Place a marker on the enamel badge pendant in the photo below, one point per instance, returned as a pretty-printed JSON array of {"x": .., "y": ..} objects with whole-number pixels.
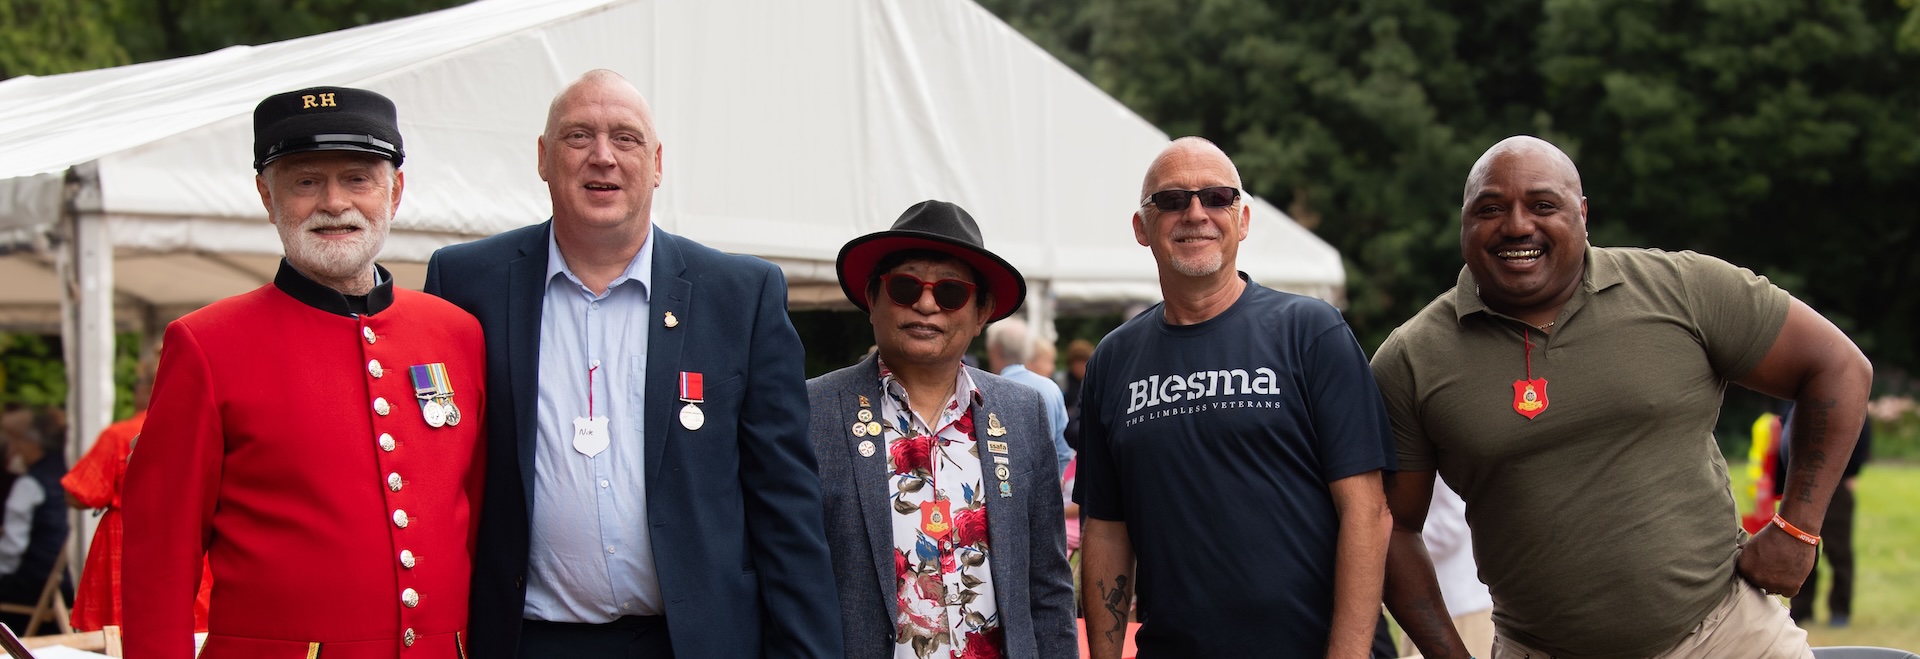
[
  {"x": 866, "y": 449},
  {"x": 1530, "y": 397},
  {"x": 936, "y": 519},
  {"x": 993, "y": 425}
]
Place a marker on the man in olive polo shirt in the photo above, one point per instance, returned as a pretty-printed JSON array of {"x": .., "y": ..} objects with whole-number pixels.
[{"x": 1569, "y": 393}]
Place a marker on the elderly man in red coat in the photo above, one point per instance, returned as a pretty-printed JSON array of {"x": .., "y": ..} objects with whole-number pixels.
[{"x": 318, "y": 439}]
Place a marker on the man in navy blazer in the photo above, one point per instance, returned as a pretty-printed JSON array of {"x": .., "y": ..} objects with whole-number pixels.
[
  {"x": 652, "y": 493},
  {"x": 942, "y": 493}
]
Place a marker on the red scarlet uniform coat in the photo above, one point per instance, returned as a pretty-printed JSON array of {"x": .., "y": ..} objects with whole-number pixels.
[{"x": 336, "y": 520}]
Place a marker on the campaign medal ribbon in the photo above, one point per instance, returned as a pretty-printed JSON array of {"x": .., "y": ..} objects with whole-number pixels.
[
  {"x": 1529, "y": 395},
  {"x": 425, "y": 390},
  {"x": 443, "y": 387},
  {"x": 692, "y": 392}
]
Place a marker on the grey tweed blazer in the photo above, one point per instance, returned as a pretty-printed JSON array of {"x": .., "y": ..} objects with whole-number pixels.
[{"x": 1026, "y": 533}]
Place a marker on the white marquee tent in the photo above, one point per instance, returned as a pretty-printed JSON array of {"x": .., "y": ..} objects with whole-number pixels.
[{"x": 126, "y": 195}]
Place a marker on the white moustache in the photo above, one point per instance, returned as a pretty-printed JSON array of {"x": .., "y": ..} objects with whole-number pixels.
[{"x": 351, "y": 219}]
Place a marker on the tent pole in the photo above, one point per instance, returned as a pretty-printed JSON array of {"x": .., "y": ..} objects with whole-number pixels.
[{"x": 86, "y": 301}]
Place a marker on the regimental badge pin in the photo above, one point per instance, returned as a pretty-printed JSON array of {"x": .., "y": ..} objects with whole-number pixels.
[
  {"x": 1006, "y": 490},
  {"x": 671, "y": 321},
  {"x": 873, "y": 428},
  {"x": 864, "y": 416},
  {"x": 864, "y": 403},
  {"x": 996, "y": 447},
  {"x": 866, "y": 449},
  {"x": 1001, "y": 472},
  {"x": 1530, "y": 397},
  {"x": 993, "y": 425},
  {"x": 859, "y": 429}
]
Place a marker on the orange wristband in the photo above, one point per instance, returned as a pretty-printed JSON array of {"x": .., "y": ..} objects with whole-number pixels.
[{"x": 1797, "y": 534}]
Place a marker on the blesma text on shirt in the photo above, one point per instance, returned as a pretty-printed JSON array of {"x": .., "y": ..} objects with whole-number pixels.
[{"x": 1155, "y": 390}]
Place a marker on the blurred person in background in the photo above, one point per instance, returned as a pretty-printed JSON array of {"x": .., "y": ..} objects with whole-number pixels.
[
  {"x": 95, "y": 482},
  {"x": 1009, "y": 348},
  {"x": 35, "y": 524},
  {"x": 1836, "y": 534}
]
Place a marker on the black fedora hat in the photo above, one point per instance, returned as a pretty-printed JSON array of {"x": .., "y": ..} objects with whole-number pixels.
[
  {"x": 936, "y": 226},
  {"x": 325, "y": 119}
]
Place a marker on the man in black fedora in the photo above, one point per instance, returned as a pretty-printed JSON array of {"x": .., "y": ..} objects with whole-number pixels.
[
  {"x": 318, "y": 439},
  {"x": 941, "y": 491}
]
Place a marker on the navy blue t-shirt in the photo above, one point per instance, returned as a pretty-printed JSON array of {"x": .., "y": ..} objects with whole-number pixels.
[{"x": 1215, "y": 443}]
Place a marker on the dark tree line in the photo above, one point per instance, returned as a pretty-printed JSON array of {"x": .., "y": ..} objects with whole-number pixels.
[{"x": 1782, "y": 135}]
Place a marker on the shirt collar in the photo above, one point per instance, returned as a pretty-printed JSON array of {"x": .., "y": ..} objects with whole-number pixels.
[
  {"x": 962, "y": 382},
  {"x": 1601, "y": 274},
  {"x": 1011, "y": 369},
  {"x": 314, "y": 294},
  {"x": 640, "y": 269}
]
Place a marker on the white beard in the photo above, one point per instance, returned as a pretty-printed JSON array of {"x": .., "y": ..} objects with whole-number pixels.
[{"x": 332, "y": 259}]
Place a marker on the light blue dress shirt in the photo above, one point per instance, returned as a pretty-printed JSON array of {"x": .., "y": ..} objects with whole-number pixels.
[
  {"x": 1056, "y": 404},
  {"x": 591, "y": 557}
]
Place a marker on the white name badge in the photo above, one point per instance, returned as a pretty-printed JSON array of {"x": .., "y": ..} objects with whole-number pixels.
[{"x": 590, "y": 435}]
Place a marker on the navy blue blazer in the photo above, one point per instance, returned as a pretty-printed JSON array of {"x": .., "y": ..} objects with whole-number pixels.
[
  {"x": 1026, "y": 532},
  {"x": 734, "y": 507}
]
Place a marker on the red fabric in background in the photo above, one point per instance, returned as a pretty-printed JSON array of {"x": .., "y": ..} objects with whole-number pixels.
[{"x": 95, "y": 482}]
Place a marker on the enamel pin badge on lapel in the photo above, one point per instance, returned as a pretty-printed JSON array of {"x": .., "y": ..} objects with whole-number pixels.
[
  {"x": 993, "y": 425},
  {"x": 671, "y": 321},
  {"x": 692, "y": 393},
  {"x": 866, "y": 449}
]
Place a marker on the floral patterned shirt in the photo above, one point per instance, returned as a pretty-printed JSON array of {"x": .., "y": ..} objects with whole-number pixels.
[{"x": 945, "y": 600}]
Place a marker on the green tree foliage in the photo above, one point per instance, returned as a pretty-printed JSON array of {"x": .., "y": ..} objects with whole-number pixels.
[
  {"x": 41, "y": 37},
  {"x": 1778, "y": 134}
]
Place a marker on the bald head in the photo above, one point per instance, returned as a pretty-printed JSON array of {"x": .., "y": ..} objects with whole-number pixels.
[
  {"x": 602, "y": 83},
  {"x": 1184, "y": 154},
  {"x": 1522, "y": 145}
]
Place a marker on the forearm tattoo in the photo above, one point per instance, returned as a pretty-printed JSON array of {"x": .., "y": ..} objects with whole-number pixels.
[
  {"x": 1819, "y": 420},
  {"x": 1116, "y": 602}
]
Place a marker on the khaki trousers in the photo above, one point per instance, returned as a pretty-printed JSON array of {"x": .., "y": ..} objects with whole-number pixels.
[{"x": 1747, "y": 623}]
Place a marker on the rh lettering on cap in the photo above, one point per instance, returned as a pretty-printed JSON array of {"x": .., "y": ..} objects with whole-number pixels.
[{"x": 320, "y": 101}]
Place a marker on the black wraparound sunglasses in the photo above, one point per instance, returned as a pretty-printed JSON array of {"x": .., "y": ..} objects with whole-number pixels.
[
  {"x": 1220, "y": 196},
  {"x": 904, "y": 290}
]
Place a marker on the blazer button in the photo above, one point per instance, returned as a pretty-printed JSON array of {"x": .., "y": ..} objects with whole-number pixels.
[
  {"x": 400, "y": 518},
  {"x": 374, "y": 369},
  {"x": 410, "y": 597},
  {"x": 519, "y": 583},
  {"x": 386, "y": 442},
  {"x": 408, "y": 637},
  {"x": 367, "y": 333},
  {"x": 381, "y": 407},
  {"x": 393, "y": 481},
  {"x": 406, "y": 558}
]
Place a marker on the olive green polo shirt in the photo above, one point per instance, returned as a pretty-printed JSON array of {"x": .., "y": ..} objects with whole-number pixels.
[{"x": 1603, "y": 526}]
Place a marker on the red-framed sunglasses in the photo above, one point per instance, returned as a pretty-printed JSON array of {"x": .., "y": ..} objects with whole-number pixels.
[{"x": 905, "y": 290}]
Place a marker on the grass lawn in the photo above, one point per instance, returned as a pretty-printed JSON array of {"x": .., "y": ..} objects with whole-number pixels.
[{"x": 1886, "y": 601}]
